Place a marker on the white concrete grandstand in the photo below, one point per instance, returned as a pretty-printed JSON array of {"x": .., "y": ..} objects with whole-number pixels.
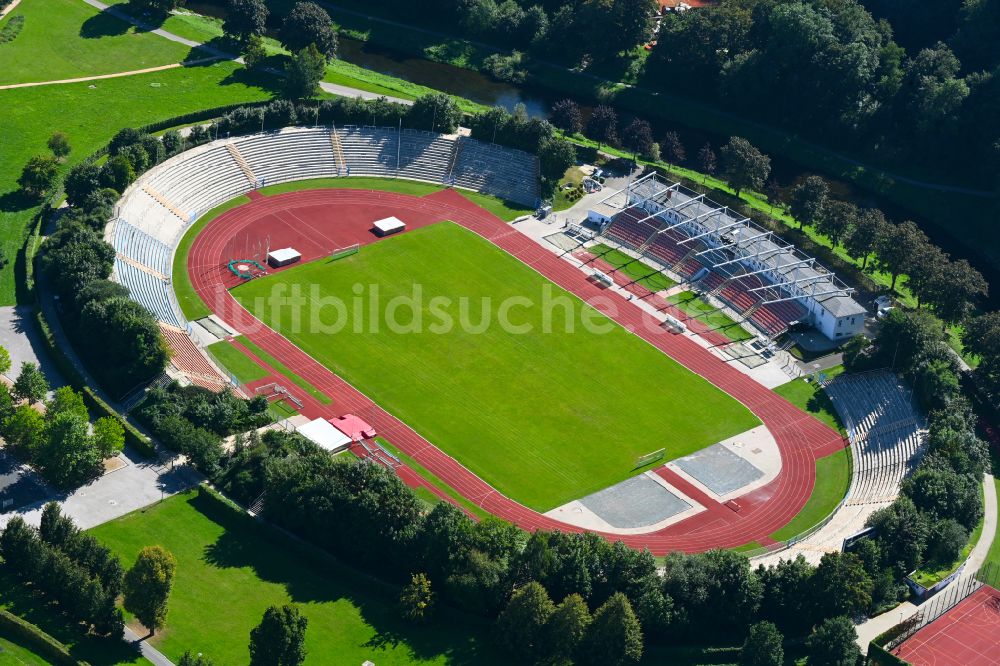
[{"x": 768, "y": 282}]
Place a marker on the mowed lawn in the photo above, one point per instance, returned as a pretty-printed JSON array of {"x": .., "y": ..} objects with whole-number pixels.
[
  {"x": 545, "y": 417},
  {"x": 64, "y": 39},
  {"x": 230, "y": 568}
]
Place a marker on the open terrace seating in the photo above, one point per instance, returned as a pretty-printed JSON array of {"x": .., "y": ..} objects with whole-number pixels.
[
  {"x": 150, "y": 291},
  {"x": 425, "y": 155},
  {"x": 369, "y": 151},
  {"x": 503, "y": 172},
  {"x": 293, "y": 154},
  {"x": 885, "y": 429},
  {"x": 142, "y": 248},
  {"x": 202, "y": 181}
]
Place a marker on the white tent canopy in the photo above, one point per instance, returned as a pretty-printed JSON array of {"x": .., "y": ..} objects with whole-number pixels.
[{"x": 324, "y": 434}]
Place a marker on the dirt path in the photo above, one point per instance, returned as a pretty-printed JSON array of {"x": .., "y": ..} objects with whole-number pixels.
[
  {"x": 9, "y": 8},
  {"x": 97, "y": 77}
]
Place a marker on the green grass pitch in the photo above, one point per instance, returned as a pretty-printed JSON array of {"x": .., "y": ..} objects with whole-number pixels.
[{"x": 545, "y": 417}]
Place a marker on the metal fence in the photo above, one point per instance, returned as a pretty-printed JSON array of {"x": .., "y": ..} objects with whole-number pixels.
[{"x": 943, "y": 602}]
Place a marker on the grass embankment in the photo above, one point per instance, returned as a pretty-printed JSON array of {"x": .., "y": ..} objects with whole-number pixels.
[
  {"x": 709, "y": 315},
  {"x": 994, "y": 553},
  {"x": 12, "y": 654},
  {"x": 230, "y": 568},
  {"x": 67, "y": 39},
  {"x": 433, "y": 480},
  {"x": 810, "y": 397},
  {"x": 833, "y": 476},
  {"x": 89, "y": 114},
  {"x": 241, "y": 366},
  {"x": 640, "y": 272},
  {"x": 522, "y": 411}
]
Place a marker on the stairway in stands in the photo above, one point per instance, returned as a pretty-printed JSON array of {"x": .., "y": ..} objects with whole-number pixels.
[
  {"x": 242, "y": 163},
  {"x": 162, "y": 200},
  {"x": 338, "y": 153}
]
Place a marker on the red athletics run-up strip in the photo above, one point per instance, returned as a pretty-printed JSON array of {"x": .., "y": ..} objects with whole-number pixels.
[{"x": 316, "y": 222}]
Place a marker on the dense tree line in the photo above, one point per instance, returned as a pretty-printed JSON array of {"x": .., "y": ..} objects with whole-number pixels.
[
  {"x": 193, "y": 420},
  {"x": 69, "y": 566},
  {"x": 555, "y": 596},
  {"x": 833, "y": 70}
]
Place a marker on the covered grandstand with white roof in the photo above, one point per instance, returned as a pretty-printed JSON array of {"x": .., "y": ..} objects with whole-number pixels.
[{"x": 768, "y": 281}]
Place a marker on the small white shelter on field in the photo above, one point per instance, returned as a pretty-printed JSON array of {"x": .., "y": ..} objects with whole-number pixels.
[
  {"x": 283, "y": 257},
  {"x": 324, "y": 434},
  {"x": 388, "y": 226}
]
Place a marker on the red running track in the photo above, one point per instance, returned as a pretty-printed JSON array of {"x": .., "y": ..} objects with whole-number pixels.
[
  {"x": 967, "y": 635},
  {"x": 316, "y": 222}
]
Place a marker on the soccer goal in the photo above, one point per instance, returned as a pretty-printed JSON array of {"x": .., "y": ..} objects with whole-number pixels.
[
  {"x": 650, "y": 458},
  {"x": 342, "y": 252}
]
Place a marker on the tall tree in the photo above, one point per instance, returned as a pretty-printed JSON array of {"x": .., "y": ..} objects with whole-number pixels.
[
  {"x": 744, "y": 166},
  {"x": 639, "y": 138},
  {"x": 417, "y": 599},
  {"x": 673, "y": 148},
  {"x": 305, "y": 71},
  {"x": 707, "y": 162},
  {"x": 39, "y": 175},
  {"x": 436, "y": 112},
  {"x": 147, "y": 586},
  {"x": 245, "y": 19},
  {"x": 955, "y": 293},
  {"x": 306, "y": 24},
  {"x": 614, "y": 637},
  {"x": 555, "y": 155},
  {"x": 279, "y": 639},
  {"x": 834, "y": 643},
  {"x": 841, "y": 585},
  {"x": 897, "y": 247},
  {"x": 762, "y": 646},
  {"x": 837, "y": 220},
  {"x": 808, "y": 200},
  {"x": 871, "y": 227},
  {"x": 566, "y": 116},
  {"x": 59, "y": 145},
  {"x": 567, "y": 628},
  {"x": 30, "y": 385},
  {"x": 520, "y": 629},
  {"x": 603, "y": 126},
  {"x": 927, "y": 267}
]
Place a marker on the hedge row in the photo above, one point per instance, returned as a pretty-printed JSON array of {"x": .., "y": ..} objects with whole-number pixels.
[
  {"x": 879, "y": 656},
  {"x": 24, "y": 633}
]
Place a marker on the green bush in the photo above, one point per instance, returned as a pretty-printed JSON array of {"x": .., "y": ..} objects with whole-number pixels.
[
  {"x": 12, "y": 29},
  {"x": 24, "y": 633}
]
